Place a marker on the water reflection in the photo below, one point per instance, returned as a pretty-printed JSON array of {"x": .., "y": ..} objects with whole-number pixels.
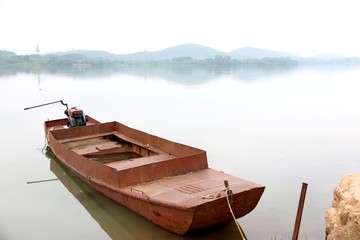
[
  {"x": 181, "y": 75},
  {"x": 119, "y": 222}
]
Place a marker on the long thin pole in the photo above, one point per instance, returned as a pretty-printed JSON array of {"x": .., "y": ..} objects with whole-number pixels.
[
  {"x": 41, "y": 181},
  {"x": 299, "y": 211},
  {"x": 41, "y": 105}
]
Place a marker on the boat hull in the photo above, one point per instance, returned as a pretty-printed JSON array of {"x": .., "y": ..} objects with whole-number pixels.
[{"x": 169, "y": 184}]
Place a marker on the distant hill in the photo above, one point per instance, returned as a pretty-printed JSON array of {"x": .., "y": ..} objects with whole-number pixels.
[
  {"x": 329, "y": 56},
  {"x": 186, "y": 50},
  {"x": 6, "y": 53},
  {"x": 197, "y": 51},
  {"x": 258, "y": 53},
  {"x": 89, "y": 53}
]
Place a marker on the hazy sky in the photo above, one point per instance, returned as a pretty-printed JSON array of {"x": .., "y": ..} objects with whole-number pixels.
[{"x": 306, "y": 27}]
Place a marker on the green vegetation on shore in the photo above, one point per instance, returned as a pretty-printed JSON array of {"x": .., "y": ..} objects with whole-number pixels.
[{"x": 82, "y": 61}]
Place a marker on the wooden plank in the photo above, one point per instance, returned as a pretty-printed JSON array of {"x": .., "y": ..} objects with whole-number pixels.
[
  {"x": 117, "y": 134},
  {"x": 143, "y": 145},
  {"x": 74, "y": 139},
  {"x": 136, "y": 162},
  {"x": 93, "y": 146}
]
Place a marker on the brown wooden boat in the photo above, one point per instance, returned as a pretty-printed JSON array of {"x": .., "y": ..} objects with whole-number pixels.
[{"x": 168, "y": 183}]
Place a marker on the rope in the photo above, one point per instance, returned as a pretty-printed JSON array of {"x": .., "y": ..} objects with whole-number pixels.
[
  {"x": 212, "y": 196},
  {"x": 217, "y": 195},
  {"x": 232, "y": 213}
]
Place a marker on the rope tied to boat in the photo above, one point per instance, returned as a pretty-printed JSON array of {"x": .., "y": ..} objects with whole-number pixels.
[
  {"x": 216, "y": 195},
  {"x": 229, "y": 200},
  {"x": 243, "y": 236}
]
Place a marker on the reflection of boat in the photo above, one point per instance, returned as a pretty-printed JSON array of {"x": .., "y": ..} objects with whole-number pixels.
[
  {"x": 168, "y": 183},
  {"x": 117, "y": 221}
]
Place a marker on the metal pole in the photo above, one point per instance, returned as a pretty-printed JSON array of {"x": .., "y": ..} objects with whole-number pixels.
[
  {"x": 41, "y": 181},
  {"x": 299, "y": 211},
  {"x": 41, "y": 105}
]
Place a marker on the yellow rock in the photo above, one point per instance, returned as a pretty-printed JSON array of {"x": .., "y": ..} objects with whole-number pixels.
[{"x": 343, "y": 218}]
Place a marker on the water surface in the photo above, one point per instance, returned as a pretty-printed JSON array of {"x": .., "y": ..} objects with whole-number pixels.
[{"x": 277, "y": 128}]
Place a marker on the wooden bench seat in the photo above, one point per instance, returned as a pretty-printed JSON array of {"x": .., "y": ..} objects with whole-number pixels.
[{"x": 141, "y": 161}]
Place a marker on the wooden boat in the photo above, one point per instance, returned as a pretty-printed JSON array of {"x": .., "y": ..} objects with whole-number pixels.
[{"x": 168, "y": 183}]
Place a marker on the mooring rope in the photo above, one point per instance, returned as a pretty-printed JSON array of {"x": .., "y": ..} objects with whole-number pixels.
[
  {"x": 232, "y": 213},
  {"x": 227, "y": 190},
  {"x": 212, "y": 196}
]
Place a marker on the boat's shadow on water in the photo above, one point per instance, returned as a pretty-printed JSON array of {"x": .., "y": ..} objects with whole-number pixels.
[{"x": 119, "y": 222}]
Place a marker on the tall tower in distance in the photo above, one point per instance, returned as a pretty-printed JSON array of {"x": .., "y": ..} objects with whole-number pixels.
[{"x": 37, "y": 49}]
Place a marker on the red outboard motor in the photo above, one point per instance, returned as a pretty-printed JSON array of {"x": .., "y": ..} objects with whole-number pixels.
[{"x": 76, "y": 117}]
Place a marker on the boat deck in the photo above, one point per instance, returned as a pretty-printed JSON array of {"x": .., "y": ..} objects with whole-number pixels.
[{"x": 189, "y": 189}]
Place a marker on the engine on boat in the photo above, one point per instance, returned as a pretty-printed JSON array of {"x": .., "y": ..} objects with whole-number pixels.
[{"x": 76, "y": 117}]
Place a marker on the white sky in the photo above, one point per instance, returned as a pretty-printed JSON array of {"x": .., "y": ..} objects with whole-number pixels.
[{"x": 306, "y": 27}]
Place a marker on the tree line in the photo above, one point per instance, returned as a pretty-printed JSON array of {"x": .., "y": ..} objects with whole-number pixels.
[{"x": 81, "y": 61}]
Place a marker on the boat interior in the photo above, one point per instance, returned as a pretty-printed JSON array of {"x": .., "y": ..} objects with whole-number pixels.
[
  {"x": 111, "y": 147},
  {"x": 139, "y": 156}
]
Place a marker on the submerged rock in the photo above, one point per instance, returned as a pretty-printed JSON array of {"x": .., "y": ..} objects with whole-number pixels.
[{"x": 343, "y": 218}]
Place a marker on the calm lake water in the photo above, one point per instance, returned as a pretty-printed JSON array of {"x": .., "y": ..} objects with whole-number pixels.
[{"x": 275, "y": 127}]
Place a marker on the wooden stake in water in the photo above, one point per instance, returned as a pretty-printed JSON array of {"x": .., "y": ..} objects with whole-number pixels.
[{"x": 299, "y": 211}]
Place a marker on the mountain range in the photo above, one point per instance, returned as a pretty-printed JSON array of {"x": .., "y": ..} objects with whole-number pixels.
[{"x": 195, "y": 51}]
